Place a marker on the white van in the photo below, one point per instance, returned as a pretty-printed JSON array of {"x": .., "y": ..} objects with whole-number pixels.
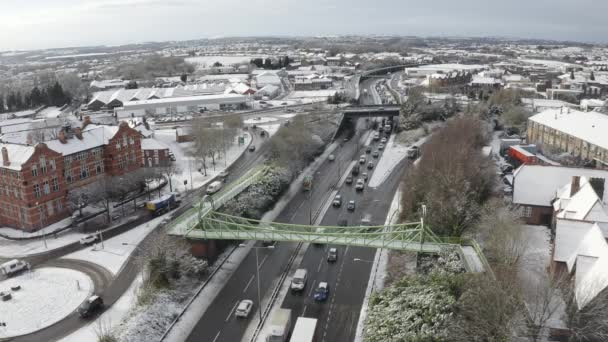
[
  {"x": 214, "y": 187},
  {"x": 14, "y": 266},
  {"x": 298, "y": 283}
]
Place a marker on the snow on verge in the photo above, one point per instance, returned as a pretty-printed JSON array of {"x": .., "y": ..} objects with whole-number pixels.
[
  {"x": 47, "y": 295},
  {"x": 110, "y": 319},
  {"x": 116, "y": 250},
  {"x": 393, "y": 154}
]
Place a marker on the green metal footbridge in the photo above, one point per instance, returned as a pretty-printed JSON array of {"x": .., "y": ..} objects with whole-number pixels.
[{"x": 202, "y": 221}]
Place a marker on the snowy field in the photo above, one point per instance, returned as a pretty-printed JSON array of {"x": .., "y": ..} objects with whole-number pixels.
[
  {"x": 47, "y": 295},
  {"x": 260, "y": 120},
  {"x": 189, "y": 166},
  {"x": 116, "y": 250},
  {"x": 208, "y": 61}
]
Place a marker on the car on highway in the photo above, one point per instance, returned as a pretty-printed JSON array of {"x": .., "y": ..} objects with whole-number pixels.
[
  {"x": 381, "y": 146},
  {"x": 349, "y": 179},
  {"x": 90, "y": 306},
  {"x": 88, "y": 239},
  {"x": 298, "y": 283},
  {"x": 376, "y": 136},
  {"x": 362, "y": 160},
  {"x": 370, "y": 165},
  {"x": 383, "y": 140},
  {"x": 331, "y": 157},
  {"x": 376, "y": 154},
  {"x": 244, "y": 308},
  {"x": 251, "y": 148},
  {"x": 332, "y": 255},
  {"x": 355, "y": 170},
  {"x": 322, "y": 292},
  {"x": 351, "y": 206},
  {"x": 337, "y": 201},
  {"x": 364, "y": 176},
  {"x": 368, "y": 149},
  {"x": 224, "y": 174},
  {"x": 360, "y": 184}
]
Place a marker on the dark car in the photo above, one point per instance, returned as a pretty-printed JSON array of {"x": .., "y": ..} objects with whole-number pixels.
[
  {"x": 370, "y": 165},
  {"x": 90, "y": 306},
  {"x": 351, "y": 206},
  {"x": 355, "y": 170},
  {"x": 368, "y": 149},
  {"x": 251, "y": 148},
  {"x": 322, "y": 292},
  {"x": 376, "y": 154}
]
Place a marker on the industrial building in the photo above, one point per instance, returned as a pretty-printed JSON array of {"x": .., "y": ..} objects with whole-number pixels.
[{"x": 176, "y": 105}]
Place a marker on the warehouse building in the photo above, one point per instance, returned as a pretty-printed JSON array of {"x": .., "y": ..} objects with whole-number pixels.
[{"x": 175, "y": 105}]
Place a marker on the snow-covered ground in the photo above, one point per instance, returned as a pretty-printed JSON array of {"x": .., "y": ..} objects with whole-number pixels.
[
  {"x": 19, "y": 249},
  {"x": 116, "y": 250},
  {"x": 12, "y": 232},
  {"x": 189, "y": 166},
  {"x": 111, "y": 318},
  {"x": 271, "y": 129},
  {"x": 288, "y": 115},
  {"x": 49, "y": 112},
  {"x": 263, "y": 119},
  {"x": 47, "y": 295}
]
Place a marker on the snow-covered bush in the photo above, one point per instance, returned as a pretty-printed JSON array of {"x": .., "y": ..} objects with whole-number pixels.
[
  {"x": 447, "y": 261},
  {"x": 416, "y": 308},
  {"x": 260, "y": 196}
]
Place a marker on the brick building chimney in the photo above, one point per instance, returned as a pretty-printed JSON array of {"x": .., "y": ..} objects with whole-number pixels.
[
  {"x": 78, "y": 133},
  {"x": 575, "y": 186},
  {"x": 61, "y": 137},
  {"x": 86, "y": 122},
  {"x": 5, "y": 160}
]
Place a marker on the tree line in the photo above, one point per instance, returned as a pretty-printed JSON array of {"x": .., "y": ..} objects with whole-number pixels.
[
  {"x": 268, "y": 64},
  {"x": 53, "y": 95}
]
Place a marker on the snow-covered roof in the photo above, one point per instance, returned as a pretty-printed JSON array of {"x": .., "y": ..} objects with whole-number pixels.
[
  {"x": 152, "y": 144},
  {"x": 568, "y": 234},
  {"x": 17, "y": 155},
  {"x": 592, "y": 277},
  {"x": 539, "y": 184},
  {"x": 587, "y": 126},
  {"x": 485, "y": 80},
  {"x": 92, "y": 136},
  {"x": 185, "y": 101},
  {"x": 583, "y": 205}
]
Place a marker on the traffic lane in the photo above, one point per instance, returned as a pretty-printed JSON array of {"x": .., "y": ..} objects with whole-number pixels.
[
  {"x": 235, "y": 328},
  {"x": 218, "y": 322}
]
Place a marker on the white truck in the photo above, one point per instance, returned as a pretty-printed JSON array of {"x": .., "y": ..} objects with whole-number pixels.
[
  {"x": 279, "y": 326},
  {"x": 14, "y": 266}
]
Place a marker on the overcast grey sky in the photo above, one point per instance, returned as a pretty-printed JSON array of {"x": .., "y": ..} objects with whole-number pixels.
[{"x": 32, "y": 24}]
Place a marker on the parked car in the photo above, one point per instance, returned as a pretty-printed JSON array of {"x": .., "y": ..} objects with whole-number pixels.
[
  {"x": 370, "y": 165},
  {"x": 375, "y": 154},
  {"x": 90, "y": 306},
  {"x": 351, "y": 206},
  {"x": 349, "y": 179},
  {"x": 88, "y": 239},
  {"x": 13, "y": 267},
  {"x": 244, "y": 308},
  {"x": 337, "y": 201},
  {"x": 322, "y": 292},
  {"x": 332, "y": 255},
  {"x": 360, "y": 184}
]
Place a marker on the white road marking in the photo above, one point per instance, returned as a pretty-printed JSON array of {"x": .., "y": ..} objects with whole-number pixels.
[
  {"x": 248, "y": 283},
  {"x": 311, "y": 288},
  {"x": 303, "y": 311},
  {"x": 320, "y": 263},
  {"x": 217, "y": 336},
  {"x": 231, "y": 311},
  {"x": 263, "y": 261}
]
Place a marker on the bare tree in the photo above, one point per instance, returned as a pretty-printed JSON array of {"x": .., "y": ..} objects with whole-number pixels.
[
  {"x": 589, "y": 323},
  {"x": 543, "y": 303},
  {"x": 169, "y": 171}
]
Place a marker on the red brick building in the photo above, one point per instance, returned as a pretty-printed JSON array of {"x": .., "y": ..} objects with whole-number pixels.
[
  {"x": 35, "y": 180},
  {"x": 33, "y": 191},
  {"x": 155, "y": 153}
]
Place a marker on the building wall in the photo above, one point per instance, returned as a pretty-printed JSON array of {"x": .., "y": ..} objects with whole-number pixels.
[
  {"x": 154, "y": 158},
  {"x": 536, "y": 215},
  {"x": 541, "y": 134},
  {"x": 37, "y": 195},
  {"x": 123, "y": 153}
]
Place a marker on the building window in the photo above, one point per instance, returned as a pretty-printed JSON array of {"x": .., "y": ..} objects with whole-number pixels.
[
  {"x": 124, "y": 139},
  {"x": 133, "y": 157},
  {"x": 17, "y": 193},
  {"x": 7, "y": 190},
  {"x": 84, "y": 171},
  {"x": 43, "y": 164},
  {"x": 131, "y": 141},
  {"x": 69, "y": 177},
  {"x": 52, "y": 163},
  {"x": 50, "y": 208},
  {"x": 46, "y": 187},
  {"x": 118, "y": 146},
  {"x": 99, "y": 169},
  {"x": 36, "y": 190},
  {"x": 121, "y": 162},
  {"x": 527, "y": 211},
  {"x": 55, "y": 184},
  {"x": 97, "y": 153},
  {"x": 23, "y": 215},
  {"x": 58, "y": 204},
  {"x": 67, "y": 161},
  {"x": 34, "y": 170}
]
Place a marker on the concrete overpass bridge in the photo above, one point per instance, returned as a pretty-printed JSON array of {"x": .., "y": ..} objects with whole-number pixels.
[{"x": 369, "y": 111}]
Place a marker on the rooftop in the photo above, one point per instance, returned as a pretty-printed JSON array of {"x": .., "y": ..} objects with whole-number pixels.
[{"x": 587, "y": 126}]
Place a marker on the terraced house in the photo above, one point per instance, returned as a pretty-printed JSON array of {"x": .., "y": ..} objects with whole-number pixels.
[
  {"x": 35, "y": 180},
  {"x": 582, "y": 134}
]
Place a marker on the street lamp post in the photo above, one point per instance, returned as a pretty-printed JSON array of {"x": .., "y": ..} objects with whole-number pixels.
[
  {"x": 257, "y": 275},
  {"x": 40, "y": 211}
]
